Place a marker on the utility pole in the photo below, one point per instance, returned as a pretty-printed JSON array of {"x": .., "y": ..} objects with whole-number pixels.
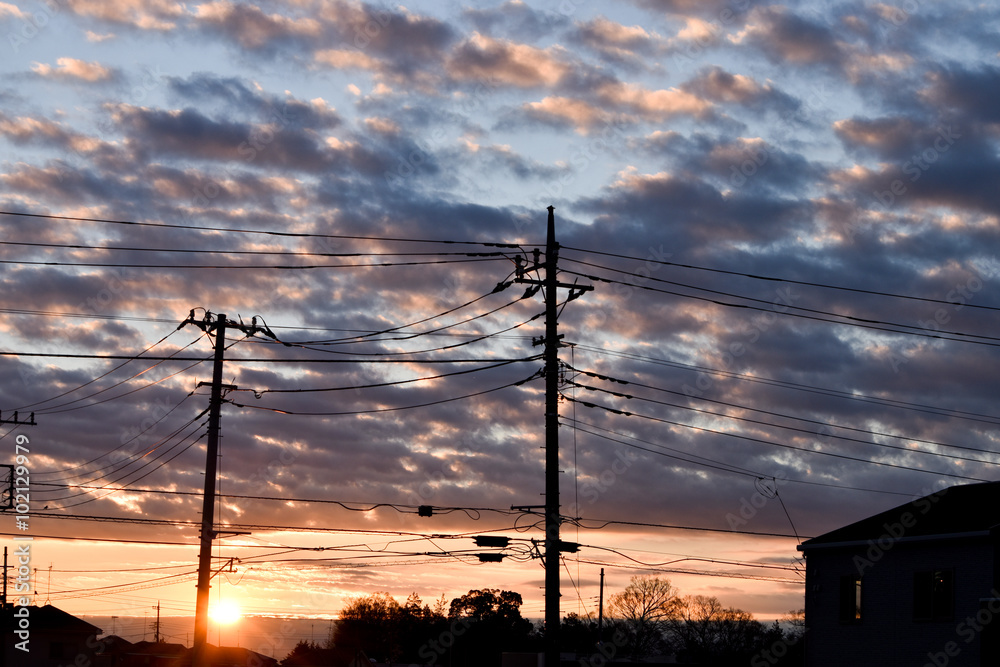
[
  {"x": 600, "y": 612},
  {"x": 208, "y": 532},
  {"x": 3, "y": 602},
  {"x": 156, "y": 628},
  {"x": 550, "y": 284}
]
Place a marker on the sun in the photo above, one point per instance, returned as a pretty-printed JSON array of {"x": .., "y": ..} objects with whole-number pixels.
[{"x": 226, "y": 612}]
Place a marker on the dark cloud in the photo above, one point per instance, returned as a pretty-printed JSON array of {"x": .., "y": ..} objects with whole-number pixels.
[
  {"x": 516, "y": 19},
  {"x": 784, "y": 36}
]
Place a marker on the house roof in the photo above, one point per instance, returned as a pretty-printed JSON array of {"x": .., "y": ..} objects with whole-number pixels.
[
  {"x": 951, "y": 512},
  {"x": 49, "y": 618}
]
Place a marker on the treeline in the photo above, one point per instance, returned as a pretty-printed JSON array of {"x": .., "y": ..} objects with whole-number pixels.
[{"x": 647, "y": 619}]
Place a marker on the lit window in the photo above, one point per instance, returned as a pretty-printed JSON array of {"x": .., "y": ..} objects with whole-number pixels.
[{"x": 850, "y": 599}]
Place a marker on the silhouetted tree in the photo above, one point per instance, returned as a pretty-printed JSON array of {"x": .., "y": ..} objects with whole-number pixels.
[
  {"x": 486, "y": 623},
  {"x": 303, "y": 654},
  {"x": 705, "y": 632},
  {"x": 370, "y": 623},
  {"x": 645, "y": 609}
]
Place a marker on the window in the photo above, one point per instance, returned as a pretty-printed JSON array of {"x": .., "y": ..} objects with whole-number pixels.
[
  {"x": 934, "y": 595},
  {"x": 850, "y": 599}
]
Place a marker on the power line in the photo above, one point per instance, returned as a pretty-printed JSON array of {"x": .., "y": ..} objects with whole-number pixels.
[
  {"x": 823, "y": 391},
  {"x": 786, "y": 427},
  {"x": 786, "y": 311},
  {"x": 784, "y": 280},
  {"x": 770, "y": 442},
  {"x": 236, "y": 230},
  {"x": 608, "y": 378},
  {"x": 394, "y": 409},
  {"x": 712, "y": 463},
  {"x": 252, "y": 267}
]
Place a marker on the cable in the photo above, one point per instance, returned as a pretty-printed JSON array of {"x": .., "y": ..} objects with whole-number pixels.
[
  {"x": 280, "y": 253},
  {"x": 126, "y": 442},
  {"x": 776, "y": 414},
  {"x": 54, "y": 409},
  {"x": 262, "y": 360},
  {"x": 235, "y": 230},
  {"x": 261, "y": 392},
  {"x": 789, "y": 428},
  {"x": 855, "y": 321},
  {"x": 784, "y": 280},
  {"x": 916, "y": 407},
  {"x": 104, "y": 375},
  {"x": 712, "y": 463},
  {"x": 253, "y": 267},
  {"x": 379, "y": 410},
  {"x": 773, "y": 444}
]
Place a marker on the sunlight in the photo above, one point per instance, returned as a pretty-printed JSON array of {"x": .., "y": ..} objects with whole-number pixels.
[{"x": 226, "y": 612}]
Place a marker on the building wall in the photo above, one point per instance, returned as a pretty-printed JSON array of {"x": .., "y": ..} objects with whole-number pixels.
[{"x": 887, "y": 633}]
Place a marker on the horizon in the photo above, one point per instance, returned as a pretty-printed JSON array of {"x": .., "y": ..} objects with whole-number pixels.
[{"x": 787, "y": 214}]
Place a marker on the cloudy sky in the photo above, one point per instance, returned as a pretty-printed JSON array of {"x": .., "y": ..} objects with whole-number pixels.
[{"x": 788, "y": 214}]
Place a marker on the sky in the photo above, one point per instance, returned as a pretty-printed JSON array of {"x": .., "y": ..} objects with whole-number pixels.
[{"x": 788, "y": 214}]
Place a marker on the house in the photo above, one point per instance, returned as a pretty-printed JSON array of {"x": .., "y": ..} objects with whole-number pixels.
[
  {"x": 915, "y": 585},
  {"x": 163, "y": 654},
  {"x": 54, "y": 638},
  {"x": 311, "y": 656}
]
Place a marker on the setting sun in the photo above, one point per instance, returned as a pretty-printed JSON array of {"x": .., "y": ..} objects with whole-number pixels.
[{"x": 226, "y": 612}]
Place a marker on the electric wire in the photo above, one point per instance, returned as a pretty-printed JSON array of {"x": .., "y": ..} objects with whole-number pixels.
[
  {"x": 772, "y": 443},
  {"x": 796, "y": 429},
  {"x": 916, "y": 407},
  {"x": 787, "y": 312},
  {"x": 609, "y": 378},
  {"x": 774, "y": 279}
]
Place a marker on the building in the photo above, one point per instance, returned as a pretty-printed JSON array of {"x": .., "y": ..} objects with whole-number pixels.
[
  {"x": 914, "y": 585},
  {"x": 54, "y": 638}
]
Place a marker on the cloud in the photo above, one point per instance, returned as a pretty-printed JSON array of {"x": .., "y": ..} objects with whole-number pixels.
[
  {"x": 7, "y": 9},
  {"x": 617, "y": 43},
  {"x": 483, "y": 58},
  {"x": 716, "y": 84},
  {"x": 98, "y": 38},
  {"x": 969, "y": 90},
  {"x": 784, "y": 36},
  {"x": 251, "y": 28},
  {"x": 72, "y": 68},
  {"x": 157, "y": 15},
  {"x": 515, "y": 19},
  {"x": 247, "y": 99}
]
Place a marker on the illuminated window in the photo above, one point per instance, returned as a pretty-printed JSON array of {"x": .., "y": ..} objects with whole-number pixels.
[{"x": 850, "y": 599}]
